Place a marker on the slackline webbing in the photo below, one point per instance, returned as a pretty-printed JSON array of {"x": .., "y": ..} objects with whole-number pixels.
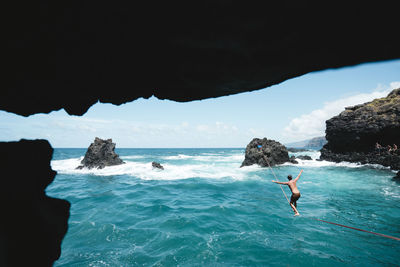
[
  {"x": 358, "y": 229},
  {"x": 276, "y": 179},
  {"x": 341, "y": 225}
]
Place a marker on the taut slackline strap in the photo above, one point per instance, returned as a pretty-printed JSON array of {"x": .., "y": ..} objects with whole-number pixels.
[
  {"x": 341, "y": 225},
  {"x": 358, "y": 229},
  {"x": 276, "y": 178}
]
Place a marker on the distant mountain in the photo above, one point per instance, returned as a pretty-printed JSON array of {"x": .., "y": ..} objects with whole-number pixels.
[
  {"x": 313, "y": 143},
  {"x": 300, "y": 144},
  {"x": 316, "y": 142}
]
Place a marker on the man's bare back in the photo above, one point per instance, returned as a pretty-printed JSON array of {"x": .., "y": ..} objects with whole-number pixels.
[
  {"x": 293, "y": 186},
  {"x": 295, "y": 191}
]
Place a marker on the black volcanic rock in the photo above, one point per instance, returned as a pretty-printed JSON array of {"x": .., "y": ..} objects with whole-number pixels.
[
  {"x": 273, "y": 151},
  {"x": 32, "y": 224},
  {"x": 293, "y": 160},
  {"x": 352, "y": 134},
  {"x": 202, "y": 48},
  {"x": 157, "y": 165},
  {"x": 304, "y": 157},
  {"x": 100, "y": 154},
  {"x": 294, "y": 149},
  {"x": 397, "y": 176}
]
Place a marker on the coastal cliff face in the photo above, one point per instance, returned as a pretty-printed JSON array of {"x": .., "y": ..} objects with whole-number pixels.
[
  {"x": 32, "y": 224},
  {"x": 352, "y": 134}
]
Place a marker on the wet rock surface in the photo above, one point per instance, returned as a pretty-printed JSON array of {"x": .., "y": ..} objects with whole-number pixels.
[
  {"x": 265, "y": 152},
  {"x": 387, "y": 159},
  {"x": 304, "y": 157},
  {"x": 295, "y": 149},
  {"x": 157, "y": 165},
  {"x": 100, "y": 154}
]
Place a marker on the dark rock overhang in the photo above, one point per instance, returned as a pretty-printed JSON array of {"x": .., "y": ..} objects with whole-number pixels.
[{"x": 72, "y": 54}]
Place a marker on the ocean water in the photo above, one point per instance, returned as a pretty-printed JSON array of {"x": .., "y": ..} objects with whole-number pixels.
[{"x": 203, "y": 210}]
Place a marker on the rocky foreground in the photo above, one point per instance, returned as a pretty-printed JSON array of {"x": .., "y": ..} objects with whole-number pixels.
[
  {"x": 353, "y": 134},
  {"x": 100, "y": 154},
  {"x": 266, "y": 153}
]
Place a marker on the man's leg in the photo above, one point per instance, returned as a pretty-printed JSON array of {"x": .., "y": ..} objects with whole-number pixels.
[{"x": 294, "y": 209}]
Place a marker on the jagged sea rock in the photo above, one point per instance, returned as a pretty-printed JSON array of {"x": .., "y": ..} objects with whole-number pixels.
[
  {"x": 293, "y": 160},
  {"x": 100, "y": 154},
  {"x": 352, "y": 134},
  {"x": 273, "y": 151},
  {"x": 157, "y": 165},
  {"x": 304, "y": 157}
]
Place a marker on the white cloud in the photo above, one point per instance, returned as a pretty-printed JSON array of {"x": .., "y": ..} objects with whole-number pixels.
[
  {"x": 313, "y": 124},
  {"x": 81, "y": 131}
]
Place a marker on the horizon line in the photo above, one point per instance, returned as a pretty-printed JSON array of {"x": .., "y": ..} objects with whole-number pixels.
[{"x": 159, "y": 147}]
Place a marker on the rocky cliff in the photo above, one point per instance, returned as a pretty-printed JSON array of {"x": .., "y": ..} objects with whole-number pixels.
[{"x": 352, "y": 134}]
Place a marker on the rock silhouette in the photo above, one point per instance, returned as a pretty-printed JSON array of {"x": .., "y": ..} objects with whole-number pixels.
[
  {"x": 157, "y": 165},
  {"x": 352, "y": 134},
  {"x": 100, "y": 154},
  {"x": 304, "y": 157},
  {"x": 259, "y": 151}
]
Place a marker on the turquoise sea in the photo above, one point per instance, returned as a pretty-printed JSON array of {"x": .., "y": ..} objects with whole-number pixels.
[{"x": 203, "y": 210}]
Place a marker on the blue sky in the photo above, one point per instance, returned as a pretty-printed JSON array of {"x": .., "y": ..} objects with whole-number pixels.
[{"x": 291, "y": 111}]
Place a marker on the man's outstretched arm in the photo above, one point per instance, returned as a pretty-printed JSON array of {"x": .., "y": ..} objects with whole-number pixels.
[
  {"x": 279, "y": 182},
  {"x": 298, "y": 176}
]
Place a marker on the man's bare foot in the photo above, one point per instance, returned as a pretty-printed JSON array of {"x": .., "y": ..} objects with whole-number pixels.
[{"x": 297, "y": 214}]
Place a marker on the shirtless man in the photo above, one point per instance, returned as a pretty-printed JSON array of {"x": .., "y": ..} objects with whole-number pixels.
[{"x": 295, "y": 191}]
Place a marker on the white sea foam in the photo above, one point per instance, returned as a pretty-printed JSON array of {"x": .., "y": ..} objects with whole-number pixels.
[
  {"x": 186, "y": 166},
  {"x": 208, "y": 158},
  {"x": 323, "y": 163},
  {"x": 178, "y": 157},
  {"x": 147, "y": 172},
  {"x": 389, "y": 192},
  {"x": 132, "y": 157}
]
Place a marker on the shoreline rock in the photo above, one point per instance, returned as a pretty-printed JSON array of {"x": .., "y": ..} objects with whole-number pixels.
[
  {"x": 294, "y": 149},
  {"x": 273, "y": 151},
  {"x": 385, "y": 159},
  {"x": 157, "y": 165},
  {"x": 304, "y": 157},
  {"x": 353, "y": 133},
  {"x": 100, "y": 154}
]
